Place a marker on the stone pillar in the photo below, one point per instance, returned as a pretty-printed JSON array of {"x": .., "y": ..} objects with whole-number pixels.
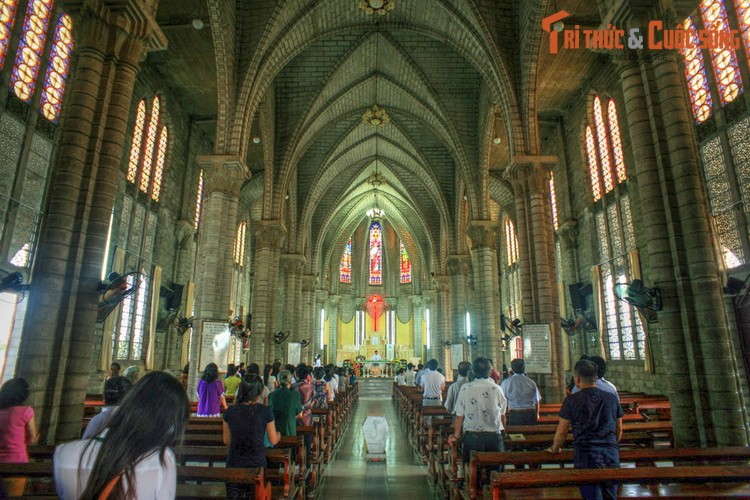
[
  {"x": 417, "y": 314},
  {"x": 321, "y": 299},
  {"x": 269, "y": 235},
  {"x": 459, "y": 267},
  {"x": 441, "y": 315},
  {"x": 529, "y": 177},
  {"x": 697, "y": 272},
  {"x": 307, "y": 318},
  {"x": 485, "y": 322},
  {"x": 56, "y": 350},
  {"x": 223, "y": 179},
  {"x": 333, "y": 326},
  {"x": 293, "y": 265},
  {"x": 568, "y": 233}
]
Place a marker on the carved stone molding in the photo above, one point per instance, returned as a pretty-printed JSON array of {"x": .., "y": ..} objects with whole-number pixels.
[
  {"x": 416, "y": 300},
  {"x": 223, "y": 173},
  {"x": 269, "y": 233},
  {"x": 529, "y": 174},
  {"x": 293, "y": 263},
  {"x": 569, "y": 231},
  {"x": 182, "y": 231},
  {"x": 483, "y": 234},
  {"x": 443, "y": 283},
  {"x": 309, "y": 282},
  {"x": 459, "y": 264}
]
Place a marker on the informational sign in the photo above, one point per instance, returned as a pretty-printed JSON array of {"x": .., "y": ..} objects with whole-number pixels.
[
  {"x": 215, "y": 339},
  {"x": 537, "y": 348},
  {"x": 294, "y": 353},
  {"x": 457, "y": 355}
]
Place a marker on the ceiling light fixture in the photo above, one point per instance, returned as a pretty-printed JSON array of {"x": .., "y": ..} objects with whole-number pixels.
[
  {"x": 198, "y": 23},
  {"x": 256, "y": 140},
  {"x": 382, "y": 7},
  {"x": 496, "y": 141}
]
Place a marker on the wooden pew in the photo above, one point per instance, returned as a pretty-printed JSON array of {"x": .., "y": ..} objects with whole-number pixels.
[
  {"x": 538, "y": 482},
  {"x": 184, "y": 473},
  {"x": 640, "y": 457}
]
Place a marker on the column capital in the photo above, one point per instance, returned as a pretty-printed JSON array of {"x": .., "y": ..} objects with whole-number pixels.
[
  {"x": 569, "y": 231},
  {"x": 529, "y": 174},
  {"x": 293, "y": 262},
  {"x": 223, "y": 173},
  {"x": 309, "y": 281},
  {"x": 269, "y": 233},
  {"x": 182, "y": 230},
  {"x": 416, "y": 300},
  {"x": 483, "y": 234},
  {"x": 459, "y": 264},
  {"x": 443, "y": 282}
]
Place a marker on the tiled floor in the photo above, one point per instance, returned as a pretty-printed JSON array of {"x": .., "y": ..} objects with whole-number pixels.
[{"x": 350, "y": 477}]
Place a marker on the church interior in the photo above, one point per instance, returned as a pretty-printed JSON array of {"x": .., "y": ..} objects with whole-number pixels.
[{"x": 258, "y": 180}]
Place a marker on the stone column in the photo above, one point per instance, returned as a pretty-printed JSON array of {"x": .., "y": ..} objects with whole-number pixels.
[
  {"x": 459, "y": 267},
  {"x": 417, "y": 315},
  {"x": 529, "y": 177},
  {"x": 697, "y": 272},
  {"x": 56, "y": 349},
  {"x": 293, "y": 265},
  {"x": 269, "y": 235},
  {"x": 307, "y": 319},
  {"x": 321, "y": 298},
  {"x": 441, "y": 315},
  {"x": 223, "y": 179},
  {"x": 484, "y": 236},
  {"x": 568, "y": 233},
  {"x": 332, "y": 306}
]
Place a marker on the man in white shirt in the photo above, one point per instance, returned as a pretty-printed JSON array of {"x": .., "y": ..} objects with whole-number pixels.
[
  {"x": 479, "y": 412},
  {"x": 432, "y": 383},
  {"x": 523, "y": 396},
  {"x": 376, "y": 356},
  {"x": 463, "y": 372},
  {"x": 410, "y": 375}
]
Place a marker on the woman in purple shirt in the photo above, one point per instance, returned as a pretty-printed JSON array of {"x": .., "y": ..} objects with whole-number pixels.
[{"x": 211, "y": 393}]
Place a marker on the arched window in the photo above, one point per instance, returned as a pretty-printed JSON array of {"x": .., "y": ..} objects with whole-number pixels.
[
  {"x": 723, "y": 60},
  {"x": 512, "y": 271},
  {"x": 614, "y": 226},
  {"x": 743, "y": 16},
  {"x": 7, "y": 18},
  {"x": 29, "y": 54},
  {"x": 199, "y": 201},
  {"x": 553, "y": 201},
  {"x": 345, "y": 266},
  {"x": 57, "y": 70},
  {"x": 129, "y": 338},
  {"x": 239, "y": 244},
  {"x": 405, "y": 264},
  {"x": 376, "y": 254},
  {"x": 148, "y": 149},
  {"x": 697, "y": 79}
]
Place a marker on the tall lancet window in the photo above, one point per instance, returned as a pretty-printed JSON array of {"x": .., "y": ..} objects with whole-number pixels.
[
  {"x": 405, "y": 264},
  {"x": 345, "y": 266},
  {"x": 376, "y": 253}
]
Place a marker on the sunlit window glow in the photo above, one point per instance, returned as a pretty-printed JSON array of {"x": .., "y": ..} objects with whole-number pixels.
[
  {"x": 7, "y": 18},
  {"x": 553, "y": 201},
  {"x": 239, "y": 244},
  {"x": 161, "y": 154},
  {"x": 596, "y": 186},
  {"x": 723, "y": 59},
  {"x": 511, "y": 242},
  {"x": 345, "y": 266},
  {"x": 743, "y": 14},
  {"x": 148, "y": 151},
  {"x": 603, "y": 142},
  {"x": 29, "y": 54},
  {"x": 697, "y": 79},
  {"x": 57, "y": 70},
  {"x": 137, "y": 140},
  {"x": 614, "y": 131},
  {"x": 199, "y": 201}
]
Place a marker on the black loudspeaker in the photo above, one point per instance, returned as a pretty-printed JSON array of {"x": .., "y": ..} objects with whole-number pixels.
[
  {"x": 576, "y": 298},
  {"x": 176, "y": 299}
]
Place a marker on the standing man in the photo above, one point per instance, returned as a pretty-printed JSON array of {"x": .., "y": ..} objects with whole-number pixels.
[
  {"x": 479, "y": 412},
  {"x": 463, "y": 372},
  {"x": 523, "y": 396},
  {"x": 421, "y": 370},
  {"x": 410, "y": 374},
  {"x": 432, "y": 383},
  {"x": 596, "y": 418},
  {"x": 376, "y": 356},
  {"x": 601, "y": 382}
]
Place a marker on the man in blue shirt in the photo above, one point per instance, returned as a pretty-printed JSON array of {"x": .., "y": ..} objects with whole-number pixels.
[
  {"x": 523, "y": 396},
  {"x": 596, "y": 418},
  {"x": 601, "y": 383}
]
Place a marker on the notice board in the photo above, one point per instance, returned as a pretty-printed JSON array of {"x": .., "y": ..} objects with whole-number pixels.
[
  {"x": 537, "y": 347},
  {"x": 215, "y": 339},
  {"x": 294, "y": 353}
]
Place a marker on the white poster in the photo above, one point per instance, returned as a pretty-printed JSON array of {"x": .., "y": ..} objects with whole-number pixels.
[
  {"x": 389, "y": 352},
  {"x": 537, "y": 348},
  {"x": 457, "y": 355},
  {"x": 215, "y": 339},
  {"x": 294, "y": 353}
]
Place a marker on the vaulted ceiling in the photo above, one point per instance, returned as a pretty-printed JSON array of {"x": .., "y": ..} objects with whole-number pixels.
[{"x": 451, "y": 75}]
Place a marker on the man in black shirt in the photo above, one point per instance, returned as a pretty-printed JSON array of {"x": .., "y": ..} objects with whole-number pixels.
[{"x": 596, "y": 418}]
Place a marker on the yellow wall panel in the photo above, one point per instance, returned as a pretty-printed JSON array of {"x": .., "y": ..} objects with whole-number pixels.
[{"x": 346, "y": 333}]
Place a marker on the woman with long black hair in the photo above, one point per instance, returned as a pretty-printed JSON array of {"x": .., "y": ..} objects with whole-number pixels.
[
  {"x": 211, "y": 398},
  {"x": 245, "y": 424},
  {"x": 17, "y": 429},
  {"x": 132, "y": 457}
]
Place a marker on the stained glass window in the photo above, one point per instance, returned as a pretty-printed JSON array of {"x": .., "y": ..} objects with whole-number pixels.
[
  {"x": 345, "y": 266},
  {"x": 376, "y": 254},
  {"x": 511, "y": 242},
  {"x": 405, "y": 264},
  {"x": 695, "y": 74},
  {"x": 57, "y": 70},
  {"x": 743, "y": 14},
  {"x": 7, "y": 17},
  {"x": 723, "y": 59},
  {"x": 135, "y": 144},
  {"x": 614, "y": 131},
  {"x": 239, "y": 244},
  {"x": 29, "y": 54},
  {"x": 596, "y": 186},
  {"x": 603, "y": 146},
  {"x": 148, "y": 150},
  {"x": 199, "y": 201},
  {"x": 553, "y": 201},
  {"x": 161, "y": 153}
]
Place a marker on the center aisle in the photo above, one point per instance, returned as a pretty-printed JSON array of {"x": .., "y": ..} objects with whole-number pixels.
[{"x": 350, "y": 477}]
